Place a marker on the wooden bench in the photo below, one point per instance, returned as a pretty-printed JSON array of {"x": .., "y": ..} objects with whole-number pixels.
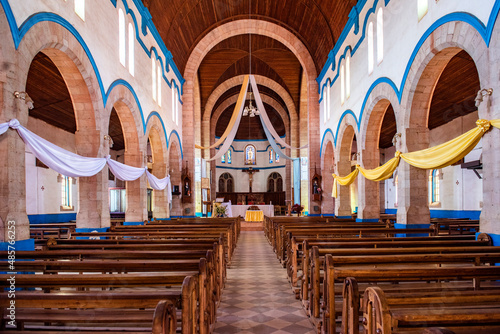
[
  {"x": 465, "y": 311},
  {"x": 187, "y": 296},
  {"x": 337, "y": 276},
  {"x": 101, "y": 312}
]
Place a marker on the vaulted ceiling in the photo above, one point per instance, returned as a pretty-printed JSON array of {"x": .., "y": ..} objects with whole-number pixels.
[{"x": 183, "y": 23}]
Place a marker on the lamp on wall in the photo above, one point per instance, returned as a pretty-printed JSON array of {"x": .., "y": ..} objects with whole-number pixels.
[
  {"x": 25, "y": 97},
  {"x": 481, "y": 94}
]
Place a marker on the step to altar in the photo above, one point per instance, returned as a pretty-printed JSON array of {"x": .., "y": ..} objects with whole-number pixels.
[{"x": 252, "y": 226}]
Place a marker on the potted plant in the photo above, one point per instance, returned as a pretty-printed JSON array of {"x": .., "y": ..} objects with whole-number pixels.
[{"x": 220, "y": 211}]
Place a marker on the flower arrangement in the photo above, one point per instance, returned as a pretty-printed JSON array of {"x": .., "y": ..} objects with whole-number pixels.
[
  {"x": 297, "y": 208},
  {"x": 318, "y": 190},
  {"x": 220, "y": 211}
]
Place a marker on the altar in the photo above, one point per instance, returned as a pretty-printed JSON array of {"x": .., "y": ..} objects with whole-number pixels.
[{"x": 240, "y": 210}]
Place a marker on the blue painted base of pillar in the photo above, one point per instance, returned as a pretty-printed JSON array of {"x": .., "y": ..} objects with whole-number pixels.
[
  {"x": 87, "y": 230},
  {"x": 405, "y": 226},
  {"x": 20, "y": 245},
  {"x": 494, "y": 237},
  {"x": 133, "y": 223},
  {"x": 344, "y": 217},
  {"x": 361, "y": 220}
]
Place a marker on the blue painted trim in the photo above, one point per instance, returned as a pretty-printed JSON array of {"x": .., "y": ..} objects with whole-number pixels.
[
  {"x": 328, "y": 214},
  {"x": 199, "y": 214},
  {"x": 163, "y": 219},
  {"x": 173, "y": 132},
  {"x": 88, "y": 230},
  {"x": 372, "y": 87},
  {"x": 183, "y": 217},
  {"x": 470, "y": 214},
  {"x": 405, "y": 226},
  {"x": 344, "y": 217},
  {"x": 361, "y": 220},
  {"x": 251, "y": 140},
  {"x": 133, "y": 223},
  {"x": 20, "y": 245},
  {"x": 391, "y": 211},
  {"x": 155, "y": 113},
  {"x": 347, "y": 112},
  {"x": 322, "y": 140},
  {"x": 256, "y": 167},
  {"x": 315, "y": 215},
  {"x": 131, "y": 89},
  {"x": 51, "y": 218}
]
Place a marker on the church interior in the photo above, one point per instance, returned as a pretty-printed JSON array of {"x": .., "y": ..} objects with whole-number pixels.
[{"x": 250, "y": 166}]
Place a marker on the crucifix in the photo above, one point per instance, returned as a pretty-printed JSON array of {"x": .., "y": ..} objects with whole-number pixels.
[{"x": 250, "y": 172}]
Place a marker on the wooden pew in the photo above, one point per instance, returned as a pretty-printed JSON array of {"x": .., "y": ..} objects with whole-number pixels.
[
  {"x": 187, "y": 297},
  {"x": 465, "y": 311},
  {"x": 336, "y": 276},
  {"x": 85, "y": 310}
]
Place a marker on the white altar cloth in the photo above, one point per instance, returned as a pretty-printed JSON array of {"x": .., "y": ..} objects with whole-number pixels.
[{"x": 240, "y": 210}]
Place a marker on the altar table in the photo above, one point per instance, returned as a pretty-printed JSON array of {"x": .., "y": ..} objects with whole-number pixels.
[
  {"x": 240, "y": 210},
  {"x": 254, "y": 216}
]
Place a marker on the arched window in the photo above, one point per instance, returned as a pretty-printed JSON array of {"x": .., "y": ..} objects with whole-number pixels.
[
  {"x": 347, "y": 77},
  {"x": 396, "y": 190},
  {"x": 153, "y": 76},
  {"x": 131, "y": 41},
  {"x": 277, "y": 157},
  {"x": 158, "y": 78},
  {"x": 66, "y": 196},
  {"x": 223, "y": 159},
  {"x": 422, "y": 8},
  {"x": 434, "y": 189},
  {"x": 173, "y": 102},
  {"x": 380, "y": 35},
  {"x": 229, "y": 158},
  {"x": 121, "y": 36},
  {"x": 328, "y": 101},
  {"x": 271, "y": 156},
  {"x": 226, "y": 184},
  {"x": 80, "y": 8},
  {"x": 342, "y": 85},
  {"x": 250, "y": 155},
  {"x": 370, "y": 48},
  {"x": 274, "y": 182}
]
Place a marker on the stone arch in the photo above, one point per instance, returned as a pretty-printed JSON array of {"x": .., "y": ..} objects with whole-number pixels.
[
  {"x": 175, "y": 168},
  {"x": 327, "y": 165},
  {"x": 244, "y": 27},
  {"x": 69, "y": 56},
  {"x": 158, "y": 141},
  {"x": 423, "y": 74}
]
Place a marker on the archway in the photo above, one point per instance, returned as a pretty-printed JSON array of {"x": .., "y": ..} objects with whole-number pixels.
[
  {"x": 175, "y": 166},
  {"x": 347, "y": 157},
  {"x": 327, "y": 164}
]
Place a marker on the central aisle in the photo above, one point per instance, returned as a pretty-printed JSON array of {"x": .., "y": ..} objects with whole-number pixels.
[{"x": 257, "y": 297}]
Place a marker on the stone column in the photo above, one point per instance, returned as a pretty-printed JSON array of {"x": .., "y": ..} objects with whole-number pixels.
[
  {"x": 93, "y": 205},
  {"x": 136, "y": 191},
  {"x": 368, "y": 191},
  {"x": 490, "y": 214},
  {"x": 343, "y": 201},
  {"x": 12, "y": 168},
  {"x": 413, "y": 198},
  {"x": 160, "y": 207}
]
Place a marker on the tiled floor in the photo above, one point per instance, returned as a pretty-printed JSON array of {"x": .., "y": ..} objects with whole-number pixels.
[{"x": 257, "y": 297}]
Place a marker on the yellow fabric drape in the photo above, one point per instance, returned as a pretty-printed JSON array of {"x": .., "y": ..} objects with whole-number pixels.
[
  {"x": 447, "y": 153},
  {"x": 234, "y": 117},
  {"x": 382, "y": 172},
  {"x": 436, "y": 157}
]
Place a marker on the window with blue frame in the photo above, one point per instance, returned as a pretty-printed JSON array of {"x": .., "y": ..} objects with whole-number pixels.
[
  {"x": 229, "y": 159},
  {"x": 277, "y": 157},
  {"x": 223, "y": 159},
  {"x": 435, "y": 193},
  {"x": 250, "y": 155},
  {"x": 271, "y": 156}
]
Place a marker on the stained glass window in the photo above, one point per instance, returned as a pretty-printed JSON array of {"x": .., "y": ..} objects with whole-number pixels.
[
  {"x": 250, "y": 155},
  {"x": 271, "y": 156},
  {"x": 229, "y": 159}
]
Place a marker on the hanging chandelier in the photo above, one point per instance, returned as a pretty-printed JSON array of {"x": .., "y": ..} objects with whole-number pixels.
[{"x": 250, "y": 109}]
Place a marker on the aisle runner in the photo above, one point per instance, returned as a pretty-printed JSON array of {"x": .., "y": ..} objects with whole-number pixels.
[{"x": 257, "y": 297}]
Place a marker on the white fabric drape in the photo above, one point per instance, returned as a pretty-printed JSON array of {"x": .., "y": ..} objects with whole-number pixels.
[
  {"x": 62, "y": 161},
  {"x": 232, "y": 133},
  {"x": 73, "y": 165},
  {"x": 265, "y": 118},
  {"x": 124, "y": 172},
  {"x": 3, "y": 128}
]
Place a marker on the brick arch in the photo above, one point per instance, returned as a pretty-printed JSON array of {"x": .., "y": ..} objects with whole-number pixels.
[
  {"x": 71, "y": 60},
  {"x": 327, "y": 161},
  {"x": 429, "y": 62},
  {"x": 122, "y": 99},
  {"x": 261, "y": 80},
  {"x": 232, "y": 100},
  {"x": 244, "y": 27},
  {"x": 75, "y": 67},
  {"x": 158, "y": 142}
]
